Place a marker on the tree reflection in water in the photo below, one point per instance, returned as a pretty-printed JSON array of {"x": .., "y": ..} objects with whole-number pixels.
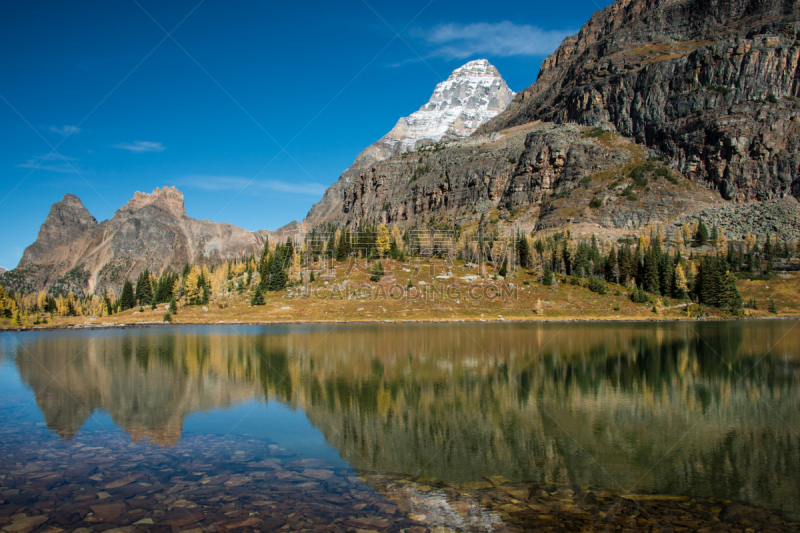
[{"x": 707, "y": 409}]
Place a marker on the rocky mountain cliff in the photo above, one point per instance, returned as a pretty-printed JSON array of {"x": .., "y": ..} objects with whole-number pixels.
[
  {"x": 469, "y": 97},
  {"x": 711, "y": 84},
  {"x": 76, "y": 252},
  {"x": 656, "y": 110}
]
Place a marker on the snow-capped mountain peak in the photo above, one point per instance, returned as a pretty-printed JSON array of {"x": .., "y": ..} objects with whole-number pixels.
[{"x": 470, "y": 96}]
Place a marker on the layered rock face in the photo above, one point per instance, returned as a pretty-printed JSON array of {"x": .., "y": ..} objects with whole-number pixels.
[
  {"x": 710, "y": 83},
  {"x": 473, "y": 94},
  {"x": 75, "y": 252},
  {"x": 545, "y": 173}
]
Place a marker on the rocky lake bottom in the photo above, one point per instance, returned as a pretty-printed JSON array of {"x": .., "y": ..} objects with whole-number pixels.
[{"x": 102, "y": 481}]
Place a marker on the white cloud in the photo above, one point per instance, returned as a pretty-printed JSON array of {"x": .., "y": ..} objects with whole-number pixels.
[
  {"x": 51, "y": 162},
  {"x": 500, "y": 39},
  {"x": 140, "y": 147},
  {"x": 65, "y": 130},
  {"x": 254, "y": 187}
]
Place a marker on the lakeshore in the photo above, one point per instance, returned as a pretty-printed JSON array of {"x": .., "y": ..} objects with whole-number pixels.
[{"x": 347, "y": 296}]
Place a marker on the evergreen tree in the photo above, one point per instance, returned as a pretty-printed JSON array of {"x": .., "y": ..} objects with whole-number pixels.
[
  {"x": 173, "y": 306},
  {"x": 277, "y": 276},
  {"x": 127, "y": 299},
  {"x": 715, "y": 286},
  {"x": 343, "y": 248},
  {"x": 547, "y": 280},
  {"x": 652, "y": 281},
  {"x": 504, "y": 267},
  {"x": 639, "y": 296},
  {"x": 524, "y": 251},
  {"x": 144, "y": 288},
  {"x": 772, "y": 307},
  {"x": 258, "y": 297},
  {"x": 164, "y": 287},
  {"x": 612, "y": 270},
  {"x": 702, "y": 234},
  {"x": 331, "y": 244},
  {"x": 666, "y": 272},
  {"x": 767, "y": 250},
  {"x": 376, "y": 272}
]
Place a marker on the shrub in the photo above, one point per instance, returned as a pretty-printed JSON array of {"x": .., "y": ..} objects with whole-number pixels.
[
  {"x": 258, "y": 297},
  {"x": 616, "y": 307},
  {"x": 772, "y": 307},
  {"x": 719, "y": 89},
  {"x": 597, "y": 285},
  {"x": 638, "y": 296},
  {"x": 596, "y": 203},
  {"x": 594, "y": 132},
  {"x": 628, "y": 193},
  {"x": 167, "y": 317},
  {"x": 377, "y": 272},
  {"x": 772, "y": 99}
]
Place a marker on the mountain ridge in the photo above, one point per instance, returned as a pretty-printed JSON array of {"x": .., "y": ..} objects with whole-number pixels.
[
  {"x": 705, "y": 92},
  {"x": 74, "y": 251},
  {"x": 471, "y": 95},
  {"x": 657, "y": 111}
]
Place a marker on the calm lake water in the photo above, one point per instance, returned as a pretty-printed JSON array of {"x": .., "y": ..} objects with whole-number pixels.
[{"x": 387, "y": 427}]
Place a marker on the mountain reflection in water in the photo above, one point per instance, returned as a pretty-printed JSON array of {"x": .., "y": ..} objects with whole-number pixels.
[{"x": 710, "y": 409}]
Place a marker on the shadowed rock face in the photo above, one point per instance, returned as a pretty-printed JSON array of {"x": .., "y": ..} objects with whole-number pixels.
[
  {"x": 709, "y": 83},
  {"x": 68, "y": 220},
  {"x": 151, "y": 231}
]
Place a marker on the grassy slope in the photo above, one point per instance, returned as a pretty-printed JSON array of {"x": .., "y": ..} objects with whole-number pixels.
[{"x": 372, "y": 301}]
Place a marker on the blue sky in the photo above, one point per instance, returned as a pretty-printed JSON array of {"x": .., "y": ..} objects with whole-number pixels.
[{"x": 212, "y": 95}]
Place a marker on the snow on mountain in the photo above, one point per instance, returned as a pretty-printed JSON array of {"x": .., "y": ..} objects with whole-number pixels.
[{"x": 473, "y": 94}]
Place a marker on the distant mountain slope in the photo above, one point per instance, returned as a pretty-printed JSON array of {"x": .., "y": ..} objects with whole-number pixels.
[
  {"x": 710, "y": 83},
  {"x": 471, "y": 95},
  {"x": 75, "y": 252}
]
